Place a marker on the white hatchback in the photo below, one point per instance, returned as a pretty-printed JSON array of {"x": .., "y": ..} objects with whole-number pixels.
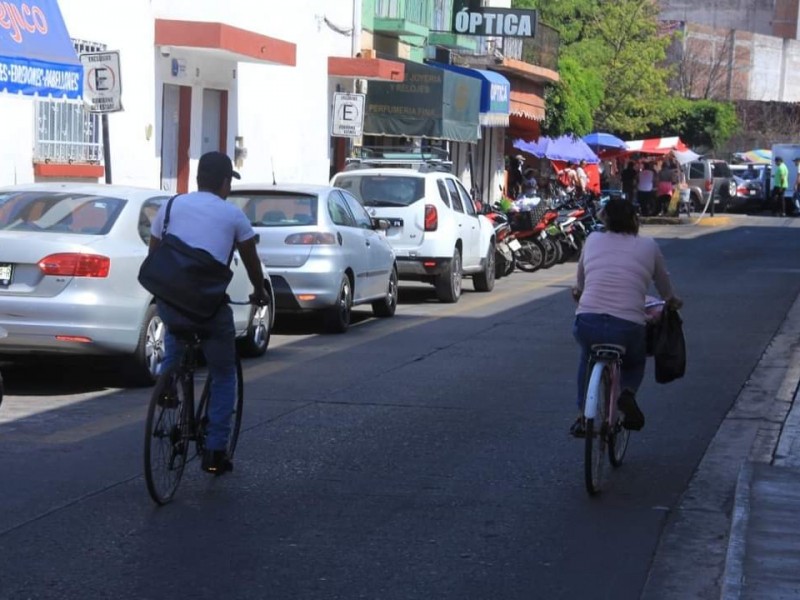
[{"x": 434, "y": 227}]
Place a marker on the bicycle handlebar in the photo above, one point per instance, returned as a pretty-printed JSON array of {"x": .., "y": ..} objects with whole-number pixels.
[{"x": 250, "y": 300}]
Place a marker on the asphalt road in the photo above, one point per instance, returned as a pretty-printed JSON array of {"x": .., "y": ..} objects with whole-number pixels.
[{"x": 424, "y": 456}]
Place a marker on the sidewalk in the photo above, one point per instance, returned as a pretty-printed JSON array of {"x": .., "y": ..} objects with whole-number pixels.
[{"x": 763, "y": 559}]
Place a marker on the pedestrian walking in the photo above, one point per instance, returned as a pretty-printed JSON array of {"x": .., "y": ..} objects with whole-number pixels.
[
  {"x": 629, "y": 176},
  {"x": 780, "y": 181},
  {"x": 645, "y": 189},
  {"x": 666, "y": 184}
]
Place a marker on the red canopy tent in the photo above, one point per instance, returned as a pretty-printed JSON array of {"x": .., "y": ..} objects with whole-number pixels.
[{"x": 663, "y": 145}]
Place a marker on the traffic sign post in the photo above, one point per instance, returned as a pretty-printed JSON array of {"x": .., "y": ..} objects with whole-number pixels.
[
  {"x": 348, "y": 115},
  {"x": 102, "y": 81}
]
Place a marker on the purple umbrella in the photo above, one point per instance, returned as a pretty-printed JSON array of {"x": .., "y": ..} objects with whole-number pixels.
[{"x": 565, "y": 148}]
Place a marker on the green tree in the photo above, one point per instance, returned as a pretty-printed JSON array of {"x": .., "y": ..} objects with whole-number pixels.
[
  {"x": 702, "y": 124},
  {"x": 571, "y": 103},
  {"x": 615, "y": 42}
]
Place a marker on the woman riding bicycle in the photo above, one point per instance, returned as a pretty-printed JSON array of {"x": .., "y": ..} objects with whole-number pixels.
[{"x": 614, "y": 273}]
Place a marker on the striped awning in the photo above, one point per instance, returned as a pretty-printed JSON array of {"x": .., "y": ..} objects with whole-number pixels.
[{"x": 663, "y": 145}]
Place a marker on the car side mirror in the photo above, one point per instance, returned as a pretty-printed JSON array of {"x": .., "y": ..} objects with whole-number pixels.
[
  {"x": 258, "y": 239},
  {"x": 380, "y": 224}
]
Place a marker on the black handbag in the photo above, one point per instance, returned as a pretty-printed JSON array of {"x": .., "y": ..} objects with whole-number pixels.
[
  {"x": 189, "y": 279},
  {"x": 669, "y": 347}
]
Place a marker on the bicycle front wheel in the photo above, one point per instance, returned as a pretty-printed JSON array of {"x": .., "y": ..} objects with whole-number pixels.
[
  {"x": 618, "y": 444},
  {"x": 166, "y": 439},
  {"x": 236, "y": 416},
  {"x": 597, "y": 429}
]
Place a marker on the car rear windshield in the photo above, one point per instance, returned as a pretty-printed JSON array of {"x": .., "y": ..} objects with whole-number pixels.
[
  {"x": 720, "y": 169},
  {"x": 277, "y": 209},
  {"x": 383, "y": 190},
  {"x": 58, "y": 212}
]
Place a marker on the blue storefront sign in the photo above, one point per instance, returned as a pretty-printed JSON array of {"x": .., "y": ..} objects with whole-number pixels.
[
  {"x": 36, "y": 53},
  {"x": 495, "y": 94}
]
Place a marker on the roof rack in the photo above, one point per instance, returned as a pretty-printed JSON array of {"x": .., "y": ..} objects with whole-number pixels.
[{"x": 422, "y": 159}]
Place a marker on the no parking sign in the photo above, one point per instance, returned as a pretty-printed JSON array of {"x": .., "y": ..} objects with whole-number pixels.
[
  {"x": 348, "y": 114},
  {"x": 102, "y": 81}
]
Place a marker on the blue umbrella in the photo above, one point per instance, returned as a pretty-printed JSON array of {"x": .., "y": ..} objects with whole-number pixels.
[{"x": 604, "y": 141}]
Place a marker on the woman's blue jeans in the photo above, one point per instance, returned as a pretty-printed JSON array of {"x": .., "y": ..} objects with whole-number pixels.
[
  {"x": 219, "y": 348},
  {"x": 593, "y": 329}
]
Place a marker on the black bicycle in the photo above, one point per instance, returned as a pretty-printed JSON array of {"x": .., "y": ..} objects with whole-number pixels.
[{"x": 174, "y": 424}]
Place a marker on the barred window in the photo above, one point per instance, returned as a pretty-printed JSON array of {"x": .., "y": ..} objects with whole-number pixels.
[{"x": 66, "y": 132}]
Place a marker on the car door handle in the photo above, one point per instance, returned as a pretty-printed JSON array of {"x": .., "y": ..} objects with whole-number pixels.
[{"x": 366, "y": 242}]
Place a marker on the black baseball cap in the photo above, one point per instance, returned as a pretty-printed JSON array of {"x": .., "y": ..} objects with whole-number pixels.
[{"x": 217, "y": 166}]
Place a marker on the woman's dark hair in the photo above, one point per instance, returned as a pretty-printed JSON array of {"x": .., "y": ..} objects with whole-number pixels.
[{"x": 619, "y": 216}]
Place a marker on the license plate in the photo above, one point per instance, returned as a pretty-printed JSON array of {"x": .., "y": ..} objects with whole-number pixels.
[
  {"x": 5, "y": 274},
  {"x": 752, "y": 192},
  {"x": 514, "y": 245}
]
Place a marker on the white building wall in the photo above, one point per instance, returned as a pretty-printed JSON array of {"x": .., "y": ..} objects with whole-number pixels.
[
  {"x": 765, "y": 78},
  {"x": 16, "y": 139},
  {"x": 281, "y": 111}
]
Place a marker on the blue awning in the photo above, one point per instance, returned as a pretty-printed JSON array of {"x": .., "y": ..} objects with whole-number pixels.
[
  {"x": 36, "y": 53},
  {"x": 495, "y": 93}
]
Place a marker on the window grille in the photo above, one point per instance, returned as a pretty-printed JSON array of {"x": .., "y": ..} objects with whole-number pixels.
[{"x": 66, "y": 132}]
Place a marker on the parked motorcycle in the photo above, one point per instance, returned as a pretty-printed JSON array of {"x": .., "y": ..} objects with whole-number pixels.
[
  {"x": 527, "y": 227},
  {"x": 505, "y": 243}
]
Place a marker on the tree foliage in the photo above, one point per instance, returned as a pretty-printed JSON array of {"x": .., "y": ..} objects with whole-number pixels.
[
  {"x": 614, "y": 74},
  {"x": 572, "y": 102},
  {"x": 701, "y": 124}
]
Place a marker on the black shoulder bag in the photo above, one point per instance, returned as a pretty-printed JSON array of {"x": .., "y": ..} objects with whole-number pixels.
[
  {"x": 669, "y": 347},
  {"x": 189, "y": 279}
]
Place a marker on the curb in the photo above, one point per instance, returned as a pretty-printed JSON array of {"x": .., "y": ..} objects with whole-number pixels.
[
  {"x": 733, "y": 577},
  {"x": 713, "y": 221},
  {"x": 704, "y": 531}
]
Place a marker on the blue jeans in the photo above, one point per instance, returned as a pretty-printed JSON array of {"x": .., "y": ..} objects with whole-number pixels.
[
  {"x": 592, "y": 329},
  {"x": 219, "y": 348}
]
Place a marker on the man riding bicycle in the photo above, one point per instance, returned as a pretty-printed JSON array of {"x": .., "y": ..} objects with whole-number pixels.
[
  {"x": 614, "y": 273},
  {"x": 203, "y": 220}
]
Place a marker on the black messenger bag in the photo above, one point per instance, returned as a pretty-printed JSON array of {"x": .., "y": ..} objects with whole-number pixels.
[{"x": 189, "y": 279}]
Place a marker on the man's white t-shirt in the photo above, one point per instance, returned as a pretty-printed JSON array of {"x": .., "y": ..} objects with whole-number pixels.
[{"x": 204, "y": 220}]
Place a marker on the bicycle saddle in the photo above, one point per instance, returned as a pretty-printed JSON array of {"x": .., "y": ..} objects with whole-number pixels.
[
  {"x": 189, "y": 334},
  {"x": 608, "y": 350}
]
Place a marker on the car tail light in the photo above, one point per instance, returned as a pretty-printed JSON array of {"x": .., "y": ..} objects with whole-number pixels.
[
  {"x": 314, "y": 238},
  {"x": 741, "y": 190},
  {"x": 73, "y": 264},
  {"x": 431, "y": 218},
  {"x": 709, "y": 184}
]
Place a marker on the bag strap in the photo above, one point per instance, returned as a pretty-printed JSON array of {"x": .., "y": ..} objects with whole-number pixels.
[
  {"x": 166, "y": 223},
  {"x": 166, "y": 216}
]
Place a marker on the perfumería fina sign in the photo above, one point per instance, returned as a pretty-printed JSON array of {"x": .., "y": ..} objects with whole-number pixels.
[{"x": 469, "y": 18}]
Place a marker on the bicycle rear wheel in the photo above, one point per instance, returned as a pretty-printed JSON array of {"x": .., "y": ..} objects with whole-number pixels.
[
  {"x": 166, "y": 439},
  {"x": 597, "y": 432},
  {"x": 236, "y": 416}
]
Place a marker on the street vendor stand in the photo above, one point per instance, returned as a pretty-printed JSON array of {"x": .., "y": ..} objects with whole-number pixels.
[{"x": 564, "y": 150}]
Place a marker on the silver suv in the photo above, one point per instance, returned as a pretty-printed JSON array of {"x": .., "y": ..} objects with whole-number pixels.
[{"x": 707, "y": 179}]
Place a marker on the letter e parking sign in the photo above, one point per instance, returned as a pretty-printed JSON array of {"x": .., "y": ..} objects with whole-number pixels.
[{"x": 348, "y": 115}]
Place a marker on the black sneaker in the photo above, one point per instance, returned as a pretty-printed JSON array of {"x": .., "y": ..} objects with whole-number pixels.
[
  {"x": 634, "y": 417},
  {"x": 578, "y": 428},
  {"x": 216, "y": 462}
]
